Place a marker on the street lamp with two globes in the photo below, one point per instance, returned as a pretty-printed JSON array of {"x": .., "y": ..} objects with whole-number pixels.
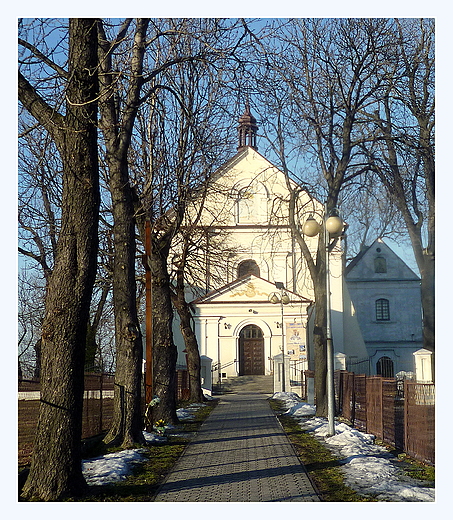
[{"x": 333, "y": 227}]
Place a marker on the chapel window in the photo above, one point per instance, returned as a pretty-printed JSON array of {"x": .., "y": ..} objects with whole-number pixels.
[
  {"x": 384, "y": 367},
  {"x": 380, "y": 264},
  {"x": 382, "y": 310}
]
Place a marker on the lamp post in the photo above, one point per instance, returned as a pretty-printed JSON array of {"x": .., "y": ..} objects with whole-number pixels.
[
  {"x": 283, "y": 299},
  {"x": 333, "y": 228}
]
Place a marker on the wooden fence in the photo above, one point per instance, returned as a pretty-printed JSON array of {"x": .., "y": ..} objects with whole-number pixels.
[
  {"x": 399, "y": 413},
  {"x": 97, "y": 408}
]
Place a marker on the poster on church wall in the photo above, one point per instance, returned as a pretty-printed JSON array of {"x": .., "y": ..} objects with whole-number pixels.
[{"x": 295, "y": 340}]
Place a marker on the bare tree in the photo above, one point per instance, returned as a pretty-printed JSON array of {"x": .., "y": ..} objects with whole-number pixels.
[
  {"x": 136, "y": 69},
  {"x": 328, "y": 75},
  {"x": 369, "y": 215},
  {"x": 182, "y": 125},
  {"x": 56, "y": 465},
  {"x": 402, "y": 154},
  {"x": 117, "y": 122},
  {"x": 31, "y": 292},
  {"x": 39, "y": 218}
]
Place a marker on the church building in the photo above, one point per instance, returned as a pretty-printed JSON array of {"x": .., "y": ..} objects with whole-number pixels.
[
  {"x": 386, "y": 298},
  {"x": 258, "y": 295}
]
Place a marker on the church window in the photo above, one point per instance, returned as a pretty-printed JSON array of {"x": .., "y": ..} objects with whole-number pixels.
[
  {"x": 251, "y": 206},
  {"x": 245, "y": 205},
  {"x": 380, "y": 264},
  {"x": 248, "y": 267},
  {"x": 382, "y": 310}
]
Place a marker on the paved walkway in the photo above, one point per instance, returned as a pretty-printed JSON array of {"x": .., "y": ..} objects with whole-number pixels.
[{"x": 240, "y": 454}]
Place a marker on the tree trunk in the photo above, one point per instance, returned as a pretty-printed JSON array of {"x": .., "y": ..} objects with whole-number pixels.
[
  {"x": 56, "y": 464},
  {"x": 191, "y": 343},
  {"x": 38, "y": 349},
  {"x": 127, "y": 427},
  {"x": 428, "y": 302},
  {"x": 164, "y": 350}
]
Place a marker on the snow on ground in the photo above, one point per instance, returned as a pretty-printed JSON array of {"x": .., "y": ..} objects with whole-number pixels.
[
  {"x": 368, "y": 468},
  {"x": 115, "y": 467},
  {"x": 112, "y": 467}
]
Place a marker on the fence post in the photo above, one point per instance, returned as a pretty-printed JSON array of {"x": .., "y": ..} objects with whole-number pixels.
[
  {"x": 406, "y": 409},
  {"x": 423, "y": 368},
  {"x": 381, "y": 408}
]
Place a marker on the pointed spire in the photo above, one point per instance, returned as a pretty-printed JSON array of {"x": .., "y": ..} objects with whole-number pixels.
[{"x": 247, "y": 129}]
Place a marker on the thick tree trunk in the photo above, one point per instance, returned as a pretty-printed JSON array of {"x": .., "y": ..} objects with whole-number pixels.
[
  {"x": 191, "y": 343},
  {"x": 56, "y": 465},
  {"x": 127, "y": 427},
  {"x": 164, "y": 350},
  {"x": 428, "y": 299}
]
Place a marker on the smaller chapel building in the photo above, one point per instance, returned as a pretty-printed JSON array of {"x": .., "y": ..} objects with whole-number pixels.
[{"x": 386, "y": 298}]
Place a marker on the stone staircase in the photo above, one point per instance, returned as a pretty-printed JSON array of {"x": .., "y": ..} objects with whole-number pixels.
[{"x": 246, "y": 385}]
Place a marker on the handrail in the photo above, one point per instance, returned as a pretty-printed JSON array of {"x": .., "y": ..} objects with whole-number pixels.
[{"x": 215, "y": 366}]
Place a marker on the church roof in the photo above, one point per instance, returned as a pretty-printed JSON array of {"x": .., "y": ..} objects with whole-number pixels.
[
  {"x": 356, "y": 259},
  {"x": 362, "y": 266}
]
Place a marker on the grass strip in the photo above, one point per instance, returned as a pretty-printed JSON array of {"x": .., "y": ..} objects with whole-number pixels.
[
  {"x": 147, "y": 476},
  {"x": 322, "y": 466}
]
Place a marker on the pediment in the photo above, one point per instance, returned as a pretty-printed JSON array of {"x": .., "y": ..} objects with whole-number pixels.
[
  {"x": 249, "y": 288},
  {"x": 363, "y": 266}
]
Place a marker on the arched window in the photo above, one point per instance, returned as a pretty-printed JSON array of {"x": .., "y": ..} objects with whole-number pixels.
[
  {"x": 384, "y": 367},
  {"x": 251, "y": 332},
  {"x": 245, "y": 203},
  {"x": 382, "y": 310},
  {"x": 380, "y": 264},
  {"x": 248, "y": 267},
  {"x": 251, "y": 206}
]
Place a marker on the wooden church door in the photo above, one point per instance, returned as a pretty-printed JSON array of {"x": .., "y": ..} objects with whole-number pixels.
[{"x": 251, "y": 351}]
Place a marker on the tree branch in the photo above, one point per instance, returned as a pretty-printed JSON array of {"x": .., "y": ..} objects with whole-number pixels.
[
  {"x": 62, "y": 72},
  {"x": 51, "y": 120}
]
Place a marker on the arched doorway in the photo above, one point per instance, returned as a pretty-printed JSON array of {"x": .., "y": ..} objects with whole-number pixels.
[
  {"x": 384, "y": 367},
  {"x": 251, "y": 351}
]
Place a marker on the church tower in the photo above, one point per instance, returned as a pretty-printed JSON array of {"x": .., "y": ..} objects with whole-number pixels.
[{"x": 247, "y": 129}]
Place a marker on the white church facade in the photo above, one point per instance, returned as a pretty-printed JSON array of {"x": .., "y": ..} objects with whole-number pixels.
[
  {"x": 259, "y": 294},
  {"x": 257, "y": 297}
]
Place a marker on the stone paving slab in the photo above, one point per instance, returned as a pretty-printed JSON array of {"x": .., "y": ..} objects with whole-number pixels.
[{"x": 240, "y": 454}]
